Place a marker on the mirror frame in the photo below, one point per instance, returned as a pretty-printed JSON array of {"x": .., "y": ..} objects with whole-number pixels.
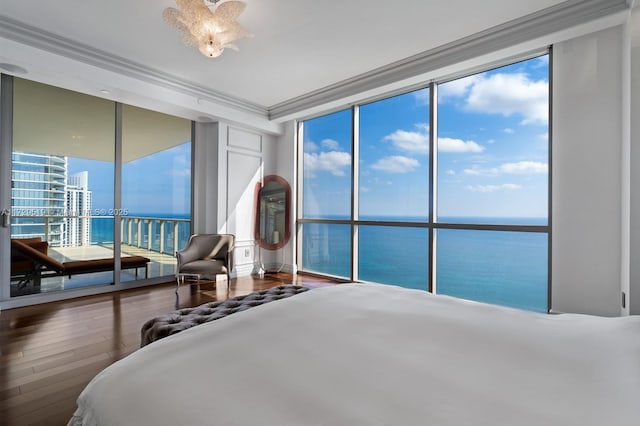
[{"x": 287, "y": 213}]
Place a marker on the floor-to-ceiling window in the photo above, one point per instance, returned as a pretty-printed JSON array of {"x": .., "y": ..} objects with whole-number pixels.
[
  {"x": 471, "y": 222},
  {"x": 493, "y": 156},
  {"x": 66, "y": 201},
  {"x": 62, "y": 167},
  {"x": 326, "y": 240},
  {"x": 155, "y": 220},
  {"x": 393, "y": 190}
]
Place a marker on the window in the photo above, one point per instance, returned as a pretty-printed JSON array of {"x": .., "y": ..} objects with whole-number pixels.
[
  {"x": 493, "y": 146},
  {"x": 327, "y": 193},
  {"x": 327, "y": 166},
  {"x": 488, "y": 236},
  {"x": 64, "y": 170},
  {"x": 156, "y": 150},
  {"x": 394, "y": 158}
]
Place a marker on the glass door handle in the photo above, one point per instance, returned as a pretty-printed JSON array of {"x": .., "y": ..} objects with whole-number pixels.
[{"x": 5, "y": 217}]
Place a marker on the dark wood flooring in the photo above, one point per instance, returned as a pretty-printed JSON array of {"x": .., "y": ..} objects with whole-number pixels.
[{"x": 49, "y": 352}]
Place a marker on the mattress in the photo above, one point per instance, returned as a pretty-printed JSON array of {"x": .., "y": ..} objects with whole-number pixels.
[{"x": 368, "y": 354}]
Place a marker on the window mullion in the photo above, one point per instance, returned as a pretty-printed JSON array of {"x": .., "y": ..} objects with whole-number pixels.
[
  {"x": 433, "y": 184},
  {"x": 355, "y": 185}
]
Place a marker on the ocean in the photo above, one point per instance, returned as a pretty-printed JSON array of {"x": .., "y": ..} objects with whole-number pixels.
[
  {"x": 500, "y": 267},
  {"x": 505, "y": 268}
]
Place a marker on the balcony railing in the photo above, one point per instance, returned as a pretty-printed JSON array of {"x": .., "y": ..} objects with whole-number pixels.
[
  {"x": 163, "y": 235},
  {"x": 157, "y": 234}
]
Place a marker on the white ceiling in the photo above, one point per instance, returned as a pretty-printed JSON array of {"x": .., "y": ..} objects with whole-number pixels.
[
  {"x": 300, "y": 46},
  {"x": 306, "y": 43}
]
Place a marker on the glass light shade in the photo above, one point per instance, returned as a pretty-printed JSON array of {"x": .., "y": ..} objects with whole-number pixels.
[{"x": 210, "y": 31}]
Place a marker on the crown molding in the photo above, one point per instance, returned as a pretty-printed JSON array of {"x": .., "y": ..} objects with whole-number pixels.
[
  {"x": 539, "y": 24},
  {"x": 25, "y": 34}
]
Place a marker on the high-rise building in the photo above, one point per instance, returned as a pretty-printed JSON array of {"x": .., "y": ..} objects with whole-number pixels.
[
  {"x": 38, "y": 196},
  {"x": 78, "y": 232}
]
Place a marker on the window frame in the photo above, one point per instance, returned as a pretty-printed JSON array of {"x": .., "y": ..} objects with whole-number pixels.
[{"x": 432, "y": 224}]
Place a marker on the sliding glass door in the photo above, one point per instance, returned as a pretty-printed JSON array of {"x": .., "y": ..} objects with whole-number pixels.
[
  {"x": 155, "y": 217},
  {"x": 62, "y": 174},
  {"x": 93, "y": 183}
]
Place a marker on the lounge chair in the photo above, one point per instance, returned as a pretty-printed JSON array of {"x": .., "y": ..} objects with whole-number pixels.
[{"x": 30, "y": 263}]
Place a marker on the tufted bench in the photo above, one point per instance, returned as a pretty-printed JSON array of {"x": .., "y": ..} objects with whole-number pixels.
[{"x": 182, "y": 319}]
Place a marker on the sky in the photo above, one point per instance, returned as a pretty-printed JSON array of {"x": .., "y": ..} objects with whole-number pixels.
[
  {"x": 157, "y": 184},
  {"x": 492, "y": 151}
]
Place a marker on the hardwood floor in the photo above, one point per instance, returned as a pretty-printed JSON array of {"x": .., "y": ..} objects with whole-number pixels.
[{"x": 49, "y": 352}]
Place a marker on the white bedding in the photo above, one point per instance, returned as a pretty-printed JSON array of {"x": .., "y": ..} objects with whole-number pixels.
[{"x": 365, "y": 354}]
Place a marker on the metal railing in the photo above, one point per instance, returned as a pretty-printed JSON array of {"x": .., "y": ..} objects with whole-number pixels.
[
  {"x": 157, "y": 234},
  {"x": 162, "y": 235}
]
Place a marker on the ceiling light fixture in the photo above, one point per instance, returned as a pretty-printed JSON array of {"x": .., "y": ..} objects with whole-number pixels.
[{"x": 210, "y": 31}]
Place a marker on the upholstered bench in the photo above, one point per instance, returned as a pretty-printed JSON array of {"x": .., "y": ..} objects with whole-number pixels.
[{"x": 182, "y": 319}]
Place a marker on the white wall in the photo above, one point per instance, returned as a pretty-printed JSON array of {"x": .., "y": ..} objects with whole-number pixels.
[
  {"x": 205, "y": 178},
  {"x": 244, "y": 157},
  {"x": 586, "y": 174},
  {"x": 634, "y": 282},
  {"x": 286, "y": 160}
]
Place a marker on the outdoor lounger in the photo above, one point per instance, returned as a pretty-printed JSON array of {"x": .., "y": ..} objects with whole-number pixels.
[{"x": 30, "y": 262}]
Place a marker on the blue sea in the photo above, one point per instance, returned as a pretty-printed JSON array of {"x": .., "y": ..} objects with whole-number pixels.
[
  {"x": 505, "y": 268},
  {"x": 501, "y": 267}
]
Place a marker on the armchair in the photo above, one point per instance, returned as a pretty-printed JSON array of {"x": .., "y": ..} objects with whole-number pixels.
[{"x": 205, "y": 255}]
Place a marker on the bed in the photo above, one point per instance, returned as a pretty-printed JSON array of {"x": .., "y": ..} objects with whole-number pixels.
[{"x": 368, "y": 354}]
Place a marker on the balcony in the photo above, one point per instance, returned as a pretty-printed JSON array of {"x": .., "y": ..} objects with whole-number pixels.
[{"x": 154, "y": 237}]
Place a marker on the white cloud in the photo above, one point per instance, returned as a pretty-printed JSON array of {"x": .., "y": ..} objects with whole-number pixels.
[
  {"x": 310, "y": 147},
  {"x": 475, "y": 171},
  {"x": 365, "y": 189},
  {"x": 451, "y": 172},
  {"x": 330, "y": 144},
  {"x": 178, "y": 172},
  {"x": 519, "y": 168},
  {"x": 396, "y": 164},
  {"x": 508, "y": 131},
  {"x": 415, "y": 142},
  {"x": 456, "y": 88},
  {"x": 510, "y": 94},
  {"x": 525, "y": 168},
  {"x": 458, "y": 145},
  {"x": 494, "y": 188},
  {"x": 334, "y": 162}
]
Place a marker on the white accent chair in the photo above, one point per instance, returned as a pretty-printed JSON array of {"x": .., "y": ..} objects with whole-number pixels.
[{"x": 206, "y": 255}]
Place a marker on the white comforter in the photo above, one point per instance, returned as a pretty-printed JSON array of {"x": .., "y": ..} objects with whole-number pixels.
[{"x": 362, "y": 354}]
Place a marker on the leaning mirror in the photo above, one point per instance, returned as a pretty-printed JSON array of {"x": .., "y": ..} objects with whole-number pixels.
[{"x": 273, "y": 201}]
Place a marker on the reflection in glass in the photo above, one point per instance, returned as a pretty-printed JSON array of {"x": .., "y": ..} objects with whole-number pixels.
[
  {"x": 394, "y": 255},
  {"x": 327, "y": 249},
  {"x": 394, "y": 158},
  {"x": 156, "y": 188},
  {"x": 504, "y": 268},
  {"x": 327, "y": 166},
  {"x": 63, "y": 153}
]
